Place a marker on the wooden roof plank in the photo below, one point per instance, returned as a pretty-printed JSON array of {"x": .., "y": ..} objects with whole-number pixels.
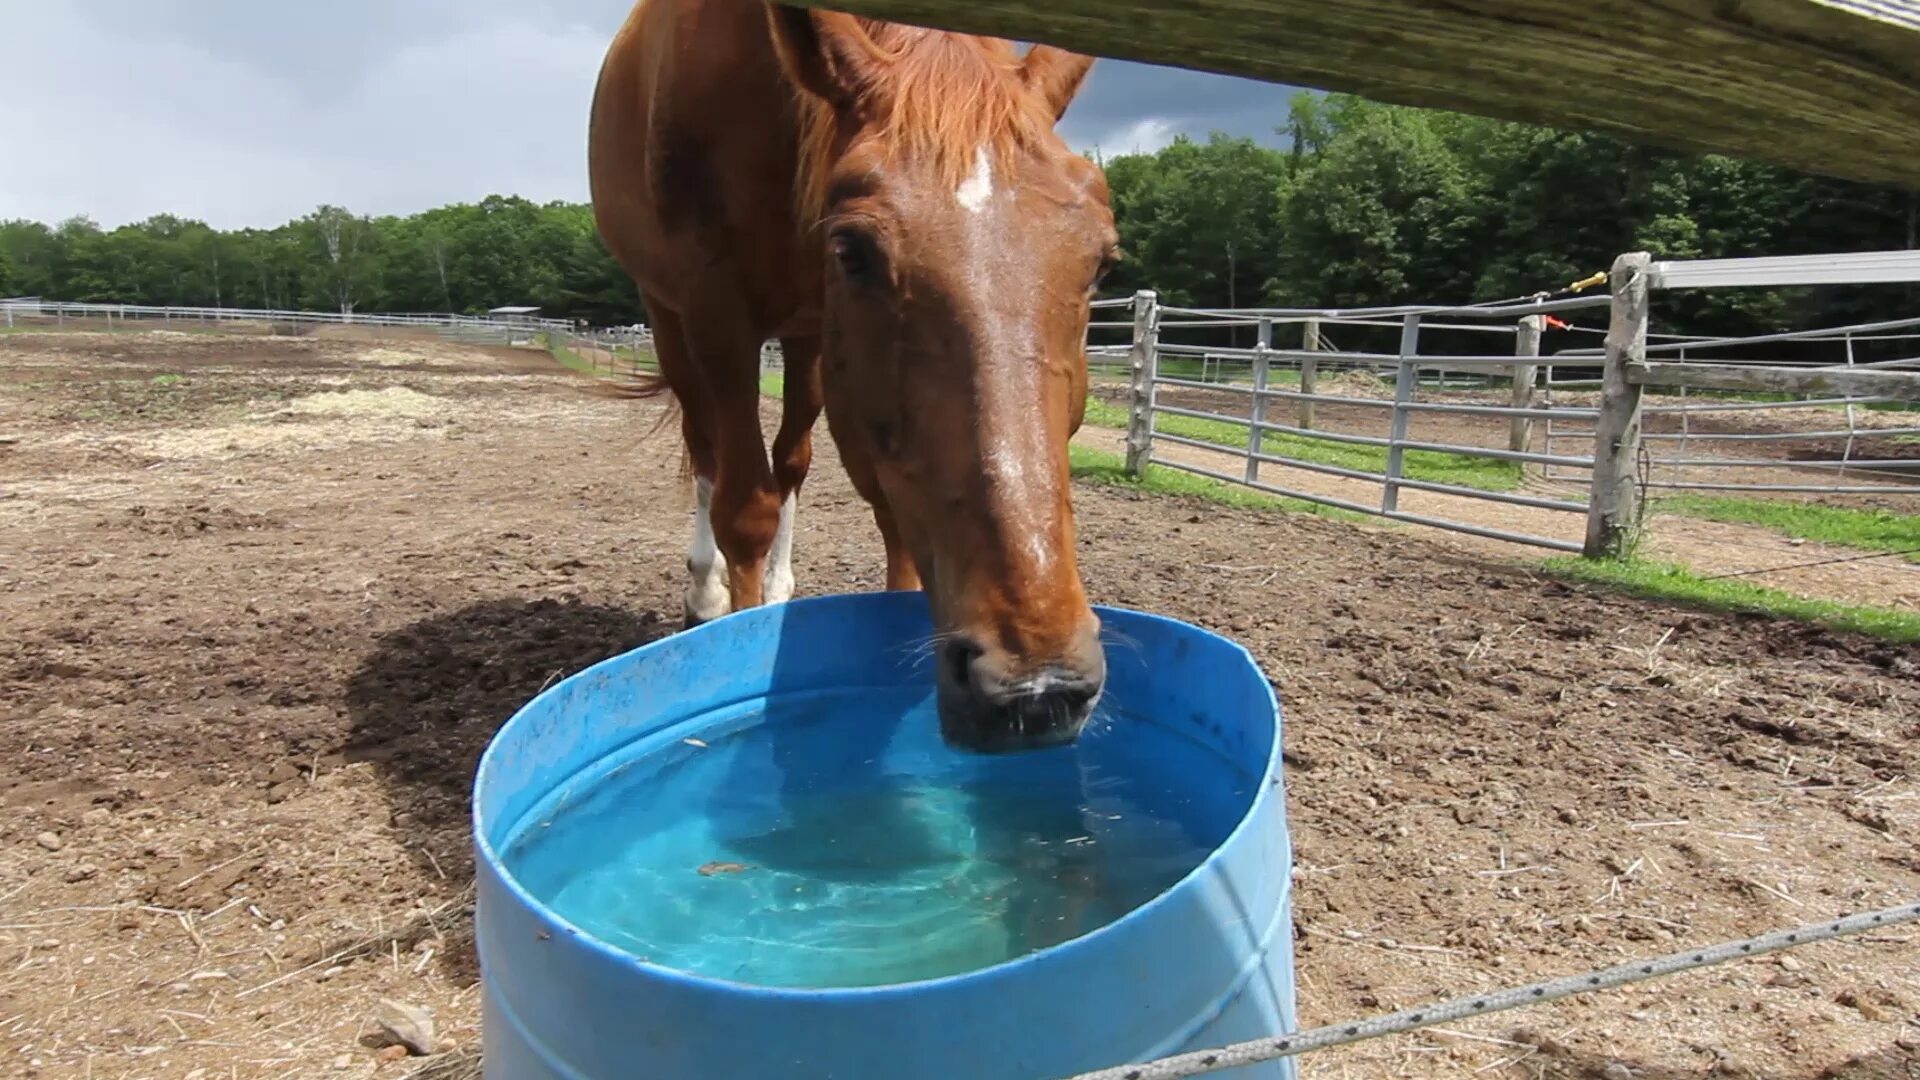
[{"x": 1825, "y": 86}]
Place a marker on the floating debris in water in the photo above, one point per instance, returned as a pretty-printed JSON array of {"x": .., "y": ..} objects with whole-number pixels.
[
  {"x": 701, "y": 743},
  {"x": 712, "y": 868}
]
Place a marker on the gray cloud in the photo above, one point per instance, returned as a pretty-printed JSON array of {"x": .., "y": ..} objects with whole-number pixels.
[{"x": 247, "y": 113}]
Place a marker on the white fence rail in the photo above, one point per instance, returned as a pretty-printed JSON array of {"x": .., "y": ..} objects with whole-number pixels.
[
  {"x": 1197, "y": 406},
  {"x": 22, "y": 312}
]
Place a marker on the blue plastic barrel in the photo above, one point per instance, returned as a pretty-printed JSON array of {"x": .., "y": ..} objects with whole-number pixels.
[{"x": 1207, "y": 962}]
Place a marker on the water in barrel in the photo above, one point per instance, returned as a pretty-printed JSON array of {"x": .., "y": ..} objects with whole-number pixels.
[{"x": 836, "y": 842}]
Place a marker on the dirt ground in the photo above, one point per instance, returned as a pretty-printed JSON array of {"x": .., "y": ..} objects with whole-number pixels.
[{"x": 265, "y": 599}]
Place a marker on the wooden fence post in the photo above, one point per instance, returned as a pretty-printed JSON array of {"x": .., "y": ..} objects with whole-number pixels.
[
  {"x": 1613, "y": 506},
  {"x": 1309, "y": 369},
  {"x": 1526, "y": 342},
  {"x": 1142, "y": 361},
  {"x": 1257, "y": 414}
]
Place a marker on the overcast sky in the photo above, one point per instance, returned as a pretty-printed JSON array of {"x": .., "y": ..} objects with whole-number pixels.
[{"x": 252, "y": 112}]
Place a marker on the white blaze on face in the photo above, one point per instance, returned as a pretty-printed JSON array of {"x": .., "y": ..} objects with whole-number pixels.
[
  {"x": 707, "y": 595},
  {"x": 779, "y": 587},
  {"x": 977, "y": 188}
]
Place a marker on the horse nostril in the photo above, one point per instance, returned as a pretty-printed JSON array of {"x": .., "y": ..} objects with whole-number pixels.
[{"x": 960, "y": 653}]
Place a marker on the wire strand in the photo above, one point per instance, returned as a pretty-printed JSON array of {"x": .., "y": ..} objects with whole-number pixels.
[{"x": 1274, "y": 1048}]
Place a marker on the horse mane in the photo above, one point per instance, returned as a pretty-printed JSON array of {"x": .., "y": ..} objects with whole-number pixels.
[{"x": 951, "y": 96}]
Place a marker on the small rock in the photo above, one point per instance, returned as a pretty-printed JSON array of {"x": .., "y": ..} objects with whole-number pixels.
[
  {"x": 1860, "y": 1003},
  {"x": 1788, "y": 963},
  {"x": 411, "y": 1026},
  {"x": 395, "y": 1052},
  {"x": 49, "y": 840},
  {"x": 1617, "y": 1071},
  {"x": 343, "y": 1062},
  {"x": 328, "y": 975},
  {"x": 99, "y": 815},
  {"x": 1787, "y": 980},
  {"x": 82, "y": 872}
]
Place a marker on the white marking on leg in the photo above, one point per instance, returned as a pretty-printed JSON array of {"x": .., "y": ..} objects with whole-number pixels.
[
  {"x": 974, "y": 192},
  {"x": 707, "y": 594},
  {"x": 779, "y": 587}
]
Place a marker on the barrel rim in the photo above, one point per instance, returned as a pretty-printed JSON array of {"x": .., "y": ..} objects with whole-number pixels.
[{"x": 1269, "y": 787}]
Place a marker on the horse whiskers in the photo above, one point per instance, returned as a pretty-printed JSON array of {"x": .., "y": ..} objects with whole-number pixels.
[
  {"x": 1112, "y": 636},
  {"x": 918, "y": 652},
  {"x": 1101, "y": 718}
]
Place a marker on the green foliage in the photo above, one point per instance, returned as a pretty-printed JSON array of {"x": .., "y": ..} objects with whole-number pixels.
[
  {"x": 1199, "y": 222},
  {"x": 465, "y": 258},
  {"x": 1376, "y": 204},
  {"x": 1677, "y": 585},
  {"x": 1369, "y": 203},
  {"x": 1869, "y": 530}
]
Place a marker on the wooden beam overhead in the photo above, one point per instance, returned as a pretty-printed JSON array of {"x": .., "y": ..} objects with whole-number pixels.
[{"x": 1824, "y": 86}]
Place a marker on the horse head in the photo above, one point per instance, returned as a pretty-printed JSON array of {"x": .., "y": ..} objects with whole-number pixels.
[{"x": 961, "y": 242}]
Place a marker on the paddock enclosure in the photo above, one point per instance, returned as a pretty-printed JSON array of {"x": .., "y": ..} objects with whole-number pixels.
[{"x": 266, "y": 597}]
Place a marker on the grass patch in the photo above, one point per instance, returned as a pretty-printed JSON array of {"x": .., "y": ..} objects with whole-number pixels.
[
  {"x": 169, "y": 379},
  {"x": 1868, "y": 530},
  {"x": 1678, "y": 585},
  {"x": 1110, "y": 470},
  {"x": 567, "y": 358},
  {"x": 1463, "y": 470}
]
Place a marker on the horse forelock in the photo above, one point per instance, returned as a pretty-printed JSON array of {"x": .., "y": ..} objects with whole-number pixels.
[{"x": 948, "y": 98}]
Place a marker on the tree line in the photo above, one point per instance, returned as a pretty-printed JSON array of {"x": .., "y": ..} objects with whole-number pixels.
[{"x": 1367, "y": 204}]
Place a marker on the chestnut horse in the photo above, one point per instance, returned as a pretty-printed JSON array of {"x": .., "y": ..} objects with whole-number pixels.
[{"x": 894, "y": 206}]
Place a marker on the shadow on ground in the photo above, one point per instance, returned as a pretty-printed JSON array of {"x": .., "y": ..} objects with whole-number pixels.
[{"x": 429, "y": 697}]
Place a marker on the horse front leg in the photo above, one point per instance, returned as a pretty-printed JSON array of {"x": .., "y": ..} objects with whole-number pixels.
[{"x": 792, "y": 454}]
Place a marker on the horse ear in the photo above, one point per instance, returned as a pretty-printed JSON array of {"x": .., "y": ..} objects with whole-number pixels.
[
  {"x": 827, "y": 53},
  {"x": 1055, "y": 74}
]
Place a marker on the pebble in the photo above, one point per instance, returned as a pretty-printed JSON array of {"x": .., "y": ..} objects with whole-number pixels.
[
  {"x": 82, "y": 872},
  {"x": 49, "y": 840},
  {"x": 99, "y": 815},
  {"x": 392, "y": 1053},
  {"x": 1616, "y": 1071},
  {"x": 343, "y": 1062},
  {"x": 1788, "y": 963}
]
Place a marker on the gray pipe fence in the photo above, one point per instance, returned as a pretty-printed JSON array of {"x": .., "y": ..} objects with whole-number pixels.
[{"x": 1577, "y": 446}]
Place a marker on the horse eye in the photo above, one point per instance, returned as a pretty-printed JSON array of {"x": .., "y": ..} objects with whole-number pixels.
[{"x": 855, "y": 255}]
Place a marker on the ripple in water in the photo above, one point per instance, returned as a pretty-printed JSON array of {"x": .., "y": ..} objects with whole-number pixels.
[{"x": 825, "y": 847}]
